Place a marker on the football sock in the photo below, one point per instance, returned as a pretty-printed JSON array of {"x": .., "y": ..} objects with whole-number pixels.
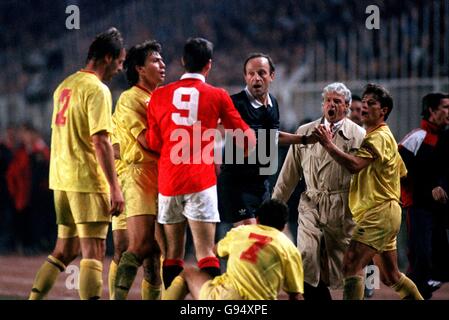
[
  {"x": 91, "y": 281},
  {"x": 126, "y": 273},
  {"x": 150, "y": 291},
  {"x": 177, "y": 290},
  {"x": 171, "y": 268},
  {"x": 46, "y": 277},
  {"x": 211, "y": 265},
  {"x": 111, "y": 279},
  {"x": 406, "y": 289},
  {"x": 354, "y": 288}
]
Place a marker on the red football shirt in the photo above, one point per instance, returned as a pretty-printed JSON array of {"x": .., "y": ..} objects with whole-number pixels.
[{"x": 180, "y": 116}]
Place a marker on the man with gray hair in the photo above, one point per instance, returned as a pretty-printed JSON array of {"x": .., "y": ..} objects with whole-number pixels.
[{"x": 324, "y": 222}]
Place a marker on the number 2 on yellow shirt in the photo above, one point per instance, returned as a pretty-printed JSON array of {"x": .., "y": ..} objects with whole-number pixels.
[{"x": 64, "y": 99}]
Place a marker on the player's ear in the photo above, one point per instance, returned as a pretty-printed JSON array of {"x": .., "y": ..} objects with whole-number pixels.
[
  {"x": 108, "y": 58},
  {"x": 208, "y": 65},
  {"x": 139, "y": 68}
]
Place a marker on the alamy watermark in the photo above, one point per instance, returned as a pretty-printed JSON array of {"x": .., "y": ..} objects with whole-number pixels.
[
  {"x": 72, "y": 281},
  {"x": 198, "y": 146},
  {"x": 372, "y": 277},
  {"x": 73, "y": 20},
  {"x": 373, "y": 20}
]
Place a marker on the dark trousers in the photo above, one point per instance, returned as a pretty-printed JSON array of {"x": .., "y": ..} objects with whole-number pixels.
[{"x": 419, "y": 230}]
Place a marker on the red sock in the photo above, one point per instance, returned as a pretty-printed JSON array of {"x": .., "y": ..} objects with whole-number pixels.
[{"x": 211, "y": 265}]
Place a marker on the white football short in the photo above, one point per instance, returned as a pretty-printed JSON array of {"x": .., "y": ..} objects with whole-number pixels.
[{"x": 198, "y": 206}]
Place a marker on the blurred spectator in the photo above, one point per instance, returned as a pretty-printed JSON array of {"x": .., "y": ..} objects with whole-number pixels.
[
  {"x": 418, "y": 150},
  {"x": 27, "y": 180},
  {"x": 6, "y": 203}
]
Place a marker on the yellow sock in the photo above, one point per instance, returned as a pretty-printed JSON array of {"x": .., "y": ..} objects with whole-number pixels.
[
  {"x": 406, "y": 289},
  {"x": 45, "y": 278},
  {"x": 354, "y": 288},
  {"x": 111, "y": 279},
  {"x": 177, "y": 290},
  {"x": 150, "y": 291},
  {"x": 91, "y": 281}
]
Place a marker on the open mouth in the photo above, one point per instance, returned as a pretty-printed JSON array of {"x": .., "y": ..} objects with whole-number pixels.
[
  {"x": 331, "y": 113},
  {"x": 257, "y": 86},
  {"x": 364, "y": 113}
]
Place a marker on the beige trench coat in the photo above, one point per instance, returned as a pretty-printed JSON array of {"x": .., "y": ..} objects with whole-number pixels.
[{"x": 325, "y": 221}]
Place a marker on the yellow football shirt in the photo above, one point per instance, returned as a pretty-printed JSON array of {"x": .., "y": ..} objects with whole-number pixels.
[
  {"x": 380, "y": 181},
  {"x": 129, "y": 120},
  {"x": 262, "y": 260},
  {"x": 82, "y": 108}
]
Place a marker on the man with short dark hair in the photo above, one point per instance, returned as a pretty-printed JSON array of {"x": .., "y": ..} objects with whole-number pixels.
[
  {"x": 262, "y": 260},
  {"x": 134, "y": 230},
  {"x": 373, "y": 198},
  {"x": 182, "y": 118},
  {"x": 82, "y": 171},
  {"x": 355, "y": 109},
  {"x": 422, "y": 195}
]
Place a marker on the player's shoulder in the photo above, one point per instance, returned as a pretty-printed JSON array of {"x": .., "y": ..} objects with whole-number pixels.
[
  {"x": 353, "y": 129},
  {"x": 128, "y": 93},
  {"x": 239, "y": 96},
  {"x": 208, "y": 88}
]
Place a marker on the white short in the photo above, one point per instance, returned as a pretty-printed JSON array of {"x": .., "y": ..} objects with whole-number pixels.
[{"x": 198, "y": 206}]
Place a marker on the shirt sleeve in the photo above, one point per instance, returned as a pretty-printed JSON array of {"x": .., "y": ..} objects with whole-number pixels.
[
  {"x": 130, "y": 118},
  {"x": 223, "y": 246},
  {"x": 231, "y": 119},
  {"x": 99, "y": 111},
  {"x": 371, "y": 147}
]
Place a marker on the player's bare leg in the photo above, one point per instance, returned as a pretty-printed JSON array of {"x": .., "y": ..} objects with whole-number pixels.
[
  {"x": 65, "y": 251},
  {"x": 195, "y": 279},
  {"x": 142, "y": 242},
  {"x": 175, "y": 236},
  {"x": 392, "y": 277},
  {"x": 203, "y": 234},
  {"x": 356, "y": 258}
]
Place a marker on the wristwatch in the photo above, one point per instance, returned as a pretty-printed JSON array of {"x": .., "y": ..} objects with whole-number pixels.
[{"x": 304, "y": 139}]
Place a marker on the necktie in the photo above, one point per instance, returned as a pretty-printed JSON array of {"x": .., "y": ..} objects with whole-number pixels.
[{"x": 331, "y": 128}]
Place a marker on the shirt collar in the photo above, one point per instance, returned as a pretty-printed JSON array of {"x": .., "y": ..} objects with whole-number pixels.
[
  {"x": 256, "y": 103},
  {"x": 197, "y": 76}
]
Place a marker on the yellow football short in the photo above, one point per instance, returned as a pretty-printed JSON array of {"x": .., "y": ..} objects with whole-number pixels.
[
  {"x": 84, "y": 230},
  {"x": 218, "y": 290},
  {"x": 119, "y": 222},
  {"x": 378, "y": 227},
  {"x": 139, "y": 187},
  {"x": 82, "y": 214},
  {"x": 81, "y": 207}
]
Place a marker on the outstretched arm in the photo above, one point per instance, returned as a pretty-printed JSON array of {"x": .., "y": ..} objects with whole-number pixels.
[{"x": 286, "y": 138}]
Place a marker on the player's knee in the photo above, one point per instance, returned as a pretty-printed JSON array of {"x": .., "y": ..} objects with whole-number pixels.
[
  {"x": 66, "y": 257},
  {"x": 349, "y": 265},
  {"x": 119, "y": 248},
  {"x": 144, "y": 250},
  {"x": 390, "y": 278}
]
